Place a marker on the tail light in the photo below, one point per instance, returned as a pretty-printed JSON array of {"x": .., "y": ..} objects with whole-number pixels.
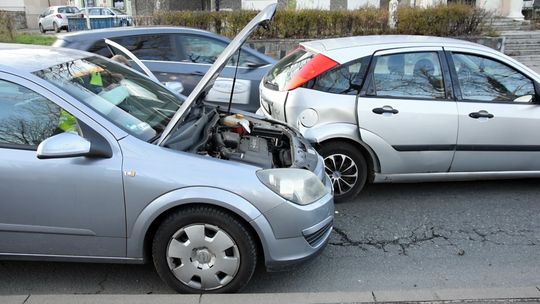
[
  {"x": 59, "y": 16},
  {"x": 315, "y": 67}
]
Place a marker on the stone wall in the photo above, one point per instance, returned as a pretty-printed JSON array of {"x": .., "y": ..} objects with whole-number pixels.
[{"x": 18, "y": 19}]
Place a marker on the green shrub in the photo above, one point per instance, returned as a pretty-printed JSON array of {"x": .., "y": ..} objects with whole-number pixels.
[
  {"x": 442, "y": 20},
  {"x": 451, "y": 20}
]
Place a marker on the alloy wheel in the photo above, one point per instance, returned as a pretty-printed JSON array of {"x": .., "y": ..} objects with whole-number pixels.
[
  {"x": 343, "y": 172},
  {"x": 203, "y": 256}
]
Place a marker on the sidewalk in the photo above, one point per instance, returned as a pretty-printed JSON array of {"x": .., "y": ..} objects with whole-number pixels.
[{"x": 485, "y": 295}]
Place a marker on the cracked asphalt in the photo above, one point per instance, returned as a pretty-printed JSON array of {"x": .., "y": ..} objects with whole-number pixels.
[{"x": 392, "y": 237}]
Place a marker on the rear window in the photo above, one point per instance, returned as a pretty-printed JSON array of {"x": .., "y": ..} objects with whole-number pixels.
[
  {"x": 278, "y": 77},
  {"x": 68, "y": 10}
]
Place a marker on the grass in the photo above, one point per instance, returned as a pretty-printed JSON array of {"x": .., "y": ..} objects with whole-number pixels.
[{"x": 29, "y": 39}]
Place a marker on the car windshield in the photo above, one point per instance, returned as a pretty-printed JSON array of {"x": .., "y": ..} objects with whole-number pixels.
[{"x": 130, "y": 100}]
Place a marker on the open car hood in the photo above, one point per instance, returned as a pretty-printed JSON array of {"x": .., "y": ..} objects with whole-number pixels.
[{"x": 209, "y": 78}]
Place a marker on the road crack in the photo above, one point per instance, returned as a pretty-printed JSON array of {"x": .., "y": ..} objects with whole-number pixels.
[
  {"x": 101, "y": 284},
  {"x": 431, "y": 233}
]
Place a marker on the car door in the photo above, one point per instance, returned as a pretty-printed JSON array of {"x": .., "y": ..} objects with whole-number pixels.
[
  {"x": 406, "y": 112},
  {"x": 498, "y": 114},
  {"x": 63, "y": 206}
]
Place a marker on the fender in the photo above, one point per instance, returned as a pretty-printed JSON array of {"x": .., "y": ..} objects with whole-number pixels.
[
  {"x": 324, "y": 132},
  {"x": 320, "y": 133},
  {"x": 183, "y": 196}
]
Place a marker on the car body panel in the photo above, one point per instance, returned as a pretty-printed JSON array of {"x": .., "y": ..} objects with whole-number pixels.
[{"x": 89, "y": 192}]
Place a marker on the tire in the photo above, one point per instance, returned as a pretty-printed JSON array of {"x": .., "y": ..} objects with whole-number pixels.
[
  {"x": 56, "y": 28},
  {"x": 212, "y": 251},
  {"x": 347, "y": 169},
  {"x": 41, "y": 29}
]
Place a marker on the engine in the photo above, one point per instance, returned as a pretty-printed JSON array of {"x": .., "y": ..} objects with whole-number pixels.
[{"x": 250, "y": 141}]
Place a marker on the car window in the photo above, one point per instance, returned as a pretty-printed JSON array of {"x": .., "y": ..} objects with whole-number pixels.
[
  {"x": 344, "y": 79},
  {"x": 27, "y": 118},
  {"x": 149, "y": 47},
  {"x": 200, "y": 49},
  {"x": 409, "y": 75},
  {"x": 68, "y": 10},
  {"x": 94, "y": 12},
  {"x": 132, "y": 101},
  {"x": 484, "y": 79}
]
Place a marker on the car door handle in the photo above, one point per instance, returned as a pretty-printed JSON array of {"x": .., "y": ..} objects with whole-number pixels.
[
  {"x": 197, "y": 73},
  {"x": 385, "y": 109},
  {"x": 481, "y": 114}
]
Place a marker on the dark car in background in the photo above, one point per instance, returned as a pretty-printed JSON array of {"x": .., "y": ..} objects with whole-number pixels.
[{"x": 184, "y": 55}]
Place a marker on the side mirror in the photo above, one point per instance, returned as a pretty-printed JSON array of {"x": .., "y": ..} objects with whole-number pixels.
[
  {"x": 175, "y": 86},
  {"x": 63, "y": 145},
  {"x": 253, "y": 65}
]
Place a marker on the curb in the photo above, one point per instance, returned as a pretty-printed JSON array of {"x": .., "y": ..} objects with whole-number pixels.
[{"x": 525, "y": 294}]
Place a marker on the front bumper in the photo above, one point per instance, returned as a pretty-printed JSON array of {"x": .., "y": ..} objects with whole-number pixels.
[{"x": 292, "y": 234}]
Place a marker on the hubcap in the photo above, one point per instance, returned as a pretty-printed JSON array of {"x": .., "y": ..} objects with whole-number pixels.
[
  {"x": 203, "y": 256},
  {"x": 343, "y": 172}
]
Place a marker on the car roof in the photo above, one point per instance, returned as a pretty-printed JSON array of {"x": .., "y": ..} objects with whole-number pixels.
[
  {"x": 30, "y": 58},
  {"x": 123, "y": 31},
  {"x": 349, "y": 48}
]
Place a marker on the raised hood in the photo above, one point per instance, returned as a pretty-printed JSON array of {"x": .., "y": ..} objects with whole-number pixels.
[{"x": 209, "y": 78}]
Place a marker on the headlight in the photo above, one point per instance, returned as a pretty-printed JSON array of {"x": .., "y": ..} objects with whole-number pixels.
[{"x": 297, "y": 185}]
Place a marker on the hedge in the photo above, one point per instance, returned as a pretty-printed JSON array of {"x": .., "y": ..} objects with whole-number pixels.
[{"x": 442, "y": 20}]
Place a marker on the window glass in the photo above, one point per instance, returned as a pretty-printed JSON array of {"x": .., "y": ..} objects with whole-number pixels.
[
  {"x": 27, "y": 118},
  {"x": 68, "y": 10},
  {"x": 132, "y": 101},
  {"x": 485, "y": 79},
  {"x": 200, "y": 49},
  {"x": 410, "y": 75},
  {"x": 283, "y": 71},
  {"x": 94, "y": 12},
  {"x": 149, "y": 47},
  {"x": 345, "y": 79}
]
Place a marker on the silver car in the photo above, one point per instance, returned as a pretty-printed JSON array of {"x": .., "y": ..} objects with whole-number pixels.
[
  {"x": 102, "y": 164},
  {"x": 408, "y": 109},
  {"x": 55, "y": 18}
]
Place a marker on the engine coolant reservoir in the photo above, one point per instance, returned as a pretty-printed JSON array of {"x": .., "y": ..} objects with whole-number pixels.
[{"x": 236, "y": 120}]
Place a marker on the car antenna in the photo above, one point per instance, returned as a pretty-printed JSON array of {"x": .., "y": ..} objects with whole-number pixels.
[{"x": 234, "y": 81}]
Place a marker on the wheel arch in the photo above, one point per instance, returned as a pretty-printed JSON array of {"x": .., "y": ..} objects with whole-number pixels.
[
  {"x": 140, "y": 239},
  {"x": 368, "y": 154}
]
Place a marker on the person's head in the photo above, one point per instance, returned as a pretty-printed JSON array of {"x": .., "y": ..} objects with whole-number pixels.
[{"x": 120, "y": 59}]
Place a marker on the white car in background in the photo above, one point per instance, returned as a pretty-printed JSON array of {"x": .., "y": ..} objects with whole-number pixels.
[{"x": 55, "y": 18}]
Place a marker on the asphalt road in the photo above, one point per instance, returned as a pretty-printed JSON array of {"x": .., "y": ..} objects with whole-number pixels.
[{"x": 392, "y": 237}]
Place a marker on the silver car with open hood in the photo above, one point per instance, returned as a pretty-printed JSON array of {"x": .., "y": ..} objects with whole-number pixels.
[{"x": 100, "y": 163}]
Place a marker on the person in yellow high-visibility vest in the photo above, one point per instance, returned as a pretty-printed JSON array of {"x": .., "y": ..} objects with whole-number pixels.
[{"x": 67, "y": 122}]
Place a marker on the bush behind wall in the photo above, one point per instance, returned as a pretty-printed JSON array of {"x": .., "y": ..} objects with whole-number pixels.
[{"x": 442, "y": 20}]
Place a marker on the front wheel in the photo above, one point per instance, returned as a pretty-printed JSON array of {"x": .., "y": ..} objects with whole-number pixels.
[
  {"x": 204, "y": 249},
  {"x": 346, "y": 167},
  {"x": 41, "y": 29}
]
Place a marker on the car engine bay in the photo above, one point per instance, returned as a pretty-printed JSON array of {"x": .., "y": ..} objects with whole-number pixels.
[{"x": 240, "y": 138}]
